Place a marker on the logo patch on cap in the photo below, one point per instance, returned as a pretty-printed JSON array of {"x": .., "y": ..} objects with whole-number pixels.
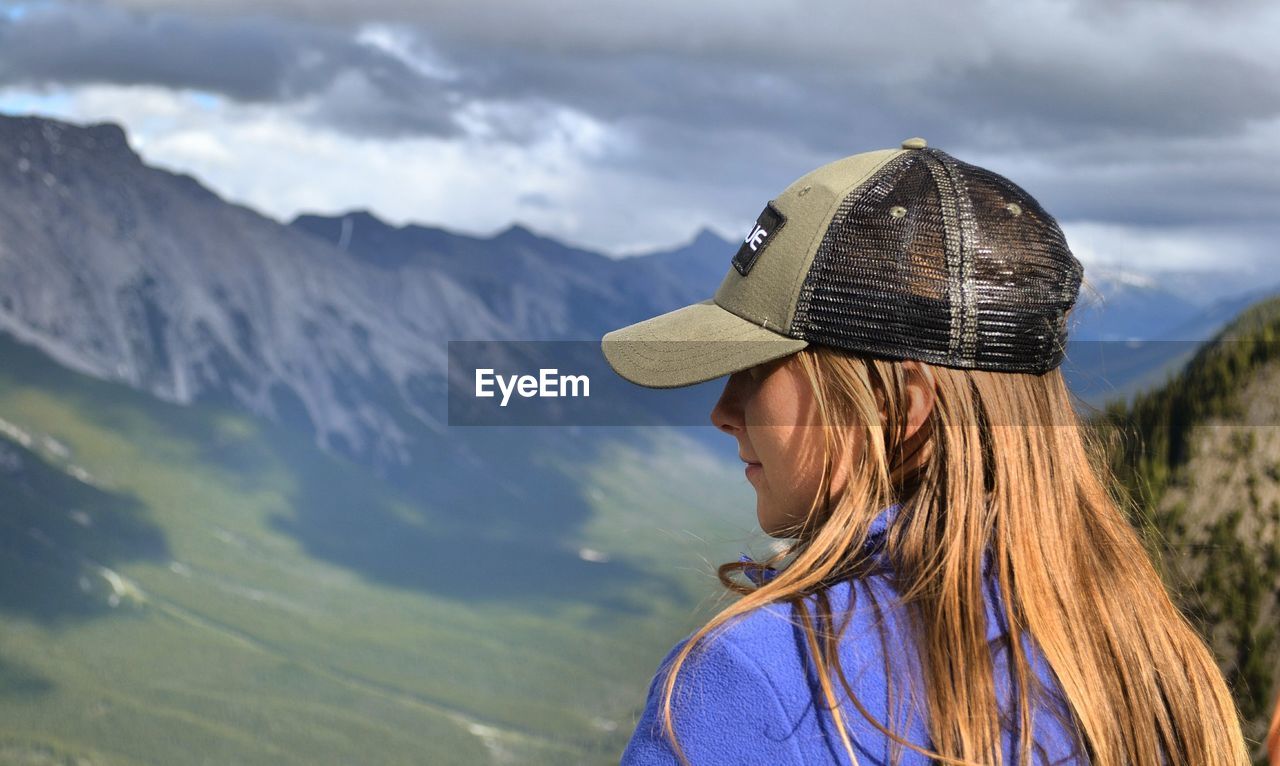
[{"x": 767, "y": 225}]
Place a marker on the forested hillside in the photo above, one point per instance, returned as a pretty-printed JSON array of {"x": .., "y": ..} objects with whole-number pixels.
[{"x": 1200, "y": 456}]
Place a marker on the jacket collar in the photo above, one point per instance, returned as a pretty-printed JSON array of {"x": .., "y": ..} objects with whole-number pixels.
[
  {"x": 996, "y": 625},
  {"x": 760, "y": 574}
]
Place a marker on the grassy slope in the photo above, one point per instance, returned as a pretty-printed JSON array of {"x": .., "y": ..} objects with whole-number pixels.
[{"x": 161, "y": 611}]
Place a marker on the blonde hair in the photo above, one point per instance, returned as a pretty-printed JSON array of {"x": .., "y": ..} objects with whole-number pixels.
[
  {"x": 1008, "y": 469},
  {"x": 1273, "y": 736}
]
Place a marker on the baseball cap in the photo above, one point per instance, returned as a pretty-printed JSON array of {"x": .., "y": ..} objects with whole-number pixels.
[{"x": 904, "y": 253}]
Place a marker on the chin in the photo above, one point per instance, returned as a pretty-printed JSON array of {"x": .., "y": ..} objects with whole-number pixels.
[
  {"x": 779, "y": 529},
  {"x": 769, "y": 527}
]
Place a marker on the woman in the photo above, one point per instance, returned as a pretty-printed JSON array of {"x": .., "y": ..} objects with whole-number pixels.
[{"x": 960, "y": 583}]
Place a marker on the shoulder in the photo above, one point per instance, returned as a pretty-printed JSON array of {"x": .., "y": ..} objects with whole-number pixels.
[
  {"x": 748, "y": 650},
  {"x": 862, "y": 607},
  {"x": 750, "y": 683},
  {"x": 772, "y": 638},
  {"x": 725, "y": 709}
]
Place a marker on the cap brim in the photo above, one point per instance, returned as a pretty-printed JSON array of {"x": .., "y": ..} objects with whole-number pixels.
[{"x": 697, "y": 343}]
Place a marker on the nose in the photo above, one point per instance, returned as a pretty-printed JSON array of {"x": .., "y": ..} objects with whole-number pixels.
[{"x": 727, "y": 414}]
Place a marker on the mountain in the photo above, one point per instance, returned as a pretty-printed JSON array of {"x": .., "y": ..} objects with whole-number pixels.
[
  {"x": 542, "y": 288},
  {"x": 1115, "y": 304},
  {"x": 338, "y": 325},
  {"x": 1201, "y": 455},
  {"x": 703, "y": 261},
  {"x": 1131, "y": 331},
  {"x": 335, "y": 326},
  {"x": 1118, "y": 304},
  {"x": 1213, "y": 317}
]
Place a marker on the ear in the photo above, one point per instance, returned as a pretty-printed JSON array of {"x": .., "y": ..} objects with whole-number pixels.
[{"x": 922, "y": 393}]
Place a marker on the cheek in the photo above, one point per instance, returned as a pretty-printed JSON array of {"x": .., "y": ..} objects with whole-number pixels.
[
  {"x": 808, "y": 449},
  {"x": 844, "y": 467},
  {"x": 795, "y": 471},
  {"x": 792, "y": 458},
  {"x": 782, "y": 436}
]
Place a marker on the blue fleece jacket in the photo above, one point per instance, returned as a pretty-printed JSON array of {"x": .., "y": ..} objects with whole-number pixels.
[{"x": 750, "y": 695}]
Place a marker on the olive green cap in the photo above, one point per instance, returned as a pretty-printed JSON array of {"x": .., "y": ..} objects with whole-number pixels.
[
  {"x": 746, "y": 322},
  {"x": 899, "y": 253}
]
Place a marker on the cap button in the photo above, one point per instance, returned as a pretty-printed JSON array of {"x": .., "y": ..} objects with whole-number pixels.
[{"x": 914, "y": 143}]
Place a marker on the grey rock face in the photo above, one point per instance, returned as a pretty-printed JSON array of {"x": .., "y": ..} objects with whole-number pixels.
[{"x": 338, "y": 325}]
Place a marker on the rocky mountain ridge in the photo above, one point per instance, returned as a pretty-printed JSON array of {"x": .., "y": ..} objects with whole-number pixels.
[{"x": 135, "y": 274}]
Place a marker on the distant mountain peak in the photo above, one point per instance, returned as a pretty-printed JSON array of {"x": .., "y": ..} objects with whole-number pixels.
[
  {"x": 363, "y": 218},
  {"x": 519, "y": 232},
  {"x": 706, "y": 236},
  {"x": 366, "y": 217},
  {"x": 27, "y": 134},
  {"x": 1120, "y": 276},
  {"x": 110, "y": 136}
]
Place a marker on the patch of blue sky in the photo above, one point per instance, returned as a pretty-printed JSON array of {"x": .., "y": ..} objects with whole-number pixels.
[
  {"x": 205, "y": 100},
  {"x": 13, "y": 11},
  {"x": 21, "y": 101}
]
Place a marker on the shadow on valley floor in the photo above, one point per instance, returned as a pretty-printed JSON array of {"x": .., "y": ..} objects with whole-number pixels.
[
  {"x": 18, "y": 681},
  {"x": 60, "y": 537},
  {"x": 480, "y": 515},
  {"x": 496, "y": 526}
]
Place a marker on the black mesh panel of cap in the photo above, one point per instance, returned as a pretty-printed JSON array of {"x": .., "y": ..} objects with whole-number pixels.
[{"x": 942, "y": 261}]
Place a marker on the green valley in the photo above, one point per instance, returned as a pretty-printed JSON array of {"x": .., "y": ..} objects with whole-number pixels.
[{"x": 159, "y": 608}]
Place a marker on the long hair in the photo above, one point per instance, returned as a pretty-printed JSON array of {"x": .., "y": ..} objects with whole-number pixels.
[
  {"x": 1273, "y": 737},
  {"x": 1010, "y": 472}
]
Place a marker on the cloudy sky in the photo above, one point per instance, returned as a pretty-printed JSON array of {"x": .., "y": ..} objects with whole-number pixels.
[{"x": 1151, "y": 130}]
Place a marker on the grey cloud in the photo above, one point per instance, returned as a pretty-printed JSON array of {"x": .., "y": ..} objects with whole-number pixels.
[
  {"x": 250, "y": 59},
  {"x": 1144, "y": 145},
  {"x": 1175, "y": 92},
  {"x": 244, "y": 59},
  {"x": 820, "y": 73},
  {"x": 1171, "y": 91},
  {"x": 695, "y": 102},
  {"x": 376, "y": 103},
  {"x": 1163, "y": 188},
  {"x": 685, "y": 104},
  {"x": 882, "y": 41},
  {"x": 1122, "y": 111}
]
